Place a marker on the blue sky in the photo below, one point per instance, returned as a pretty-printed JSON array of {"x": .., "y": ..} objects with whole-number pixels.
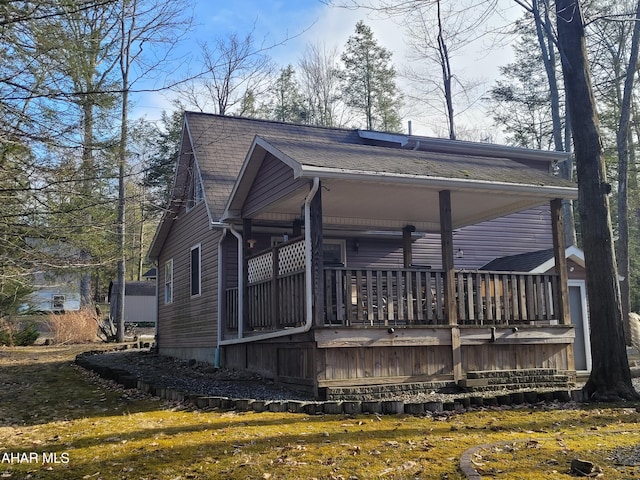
[{"x": 303, "y": 22}]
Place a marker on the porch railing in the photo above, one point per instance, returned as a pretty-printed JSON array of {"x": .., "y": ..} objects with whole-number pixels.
[
  {"x": 273, "y": 301},
  {"x": 386, "y": 297},
  {"x": 416, "y": 296}
]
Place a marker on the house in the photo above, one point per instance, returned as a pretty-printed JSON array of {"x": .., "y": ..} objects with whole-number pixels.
[
  {"x": 54, "y": 292},
  {"x": 56, "y": 288},
  {"x": 327, "y": 258},
  {"x": 140, "y": 305}
]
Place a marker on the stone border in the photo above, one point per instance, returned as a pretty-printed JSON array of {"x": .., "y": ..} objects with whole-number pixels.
[{"x": 378, "y": 407}]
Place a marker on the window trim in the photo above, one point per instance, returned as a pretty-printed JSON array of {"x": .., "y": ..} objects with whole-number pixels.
[
  {"x": 197, "y": 247},
  {"x": 168, "y": 285}
]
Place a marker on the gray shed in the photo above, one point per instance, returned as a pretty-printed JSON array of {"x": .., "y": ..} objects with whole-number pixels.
[{"x": 140, "y": 301}]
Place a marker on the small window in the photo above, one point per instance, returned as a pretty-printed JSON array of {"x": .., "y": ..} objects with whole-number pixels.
[
  {"x": 168, "y": 282},
  {"x": 57, "y": 302},
  {"x": 195, "y": 271},
  {"x": 334, "y": 253}
]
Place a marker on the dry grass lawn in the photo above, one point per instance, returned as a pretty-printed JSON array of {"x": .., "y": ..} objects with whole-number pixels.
[{"x": 60, "y": 422}]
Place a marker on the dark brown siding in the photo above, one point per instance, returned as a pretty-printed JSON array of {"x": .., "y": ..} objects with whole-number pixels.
[{"x": 189, "y": 322}]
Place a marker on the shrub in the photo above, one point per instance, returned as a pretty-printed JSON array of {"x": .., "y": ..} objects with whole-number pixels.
[
  {"x": 18, "y": 333},
  {"x": 27, "y": 335},
  {"x": 73, "y": 327}
]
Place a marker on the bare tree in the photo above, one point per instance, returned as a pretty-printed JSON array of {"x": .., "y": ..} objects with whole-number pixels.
[
  {"x": 617, "y": 58},
  {"x": 610, "y": 377},
  {"x": 234, "y": 66},
  {"x": 540, "y": 11},
  {"x": 319, "y": 83},
  {"x": 435, "y": 35},
  {"x": 143, "y": 25}
]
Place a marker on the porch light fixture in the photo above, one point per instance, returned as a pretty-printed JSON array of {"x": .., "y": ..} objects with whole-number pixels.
[
  {"x": 460, "y": 253},
  {"x": 252, "y": 243}
]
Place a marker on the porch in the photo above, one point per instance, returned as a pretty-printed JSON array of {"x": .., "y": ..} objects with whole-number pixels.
[{"x": 318, "y": 322}]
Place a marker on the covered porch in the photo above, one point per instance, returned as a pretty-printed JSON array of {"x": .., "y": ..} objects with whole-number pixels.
[{"x": 301, "y": 313}]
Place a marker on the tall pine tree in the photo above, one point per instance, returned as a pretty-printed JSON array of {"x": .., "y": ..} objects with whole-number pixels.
[{"x": 369, "y": 81}]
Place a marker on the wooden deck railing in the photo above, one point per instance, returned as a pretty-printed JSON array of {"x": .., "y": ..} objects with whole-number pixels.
[
  {"x": 416, "y": 296},
  {"x": 386, "y": 297},
  {"x": 273, "y": 301}
]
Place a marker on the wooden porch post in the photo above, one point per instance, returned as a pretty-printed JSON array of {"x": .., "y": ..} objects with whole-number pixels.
[
  {"x": 317, "y": 257},
  {"x": 407, "y": 249},
  {"x": 559, "y": 253},
  {"x": 446, "y": 241},
  {"x": 450, "y": 307},
  {"x": 247, "y": 234}
]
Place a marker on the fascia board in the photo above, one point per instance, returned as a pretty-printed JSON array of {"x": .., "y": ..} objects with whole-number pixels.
[
  {"x": 572, "y": 252},
  {"x": 541, "y": 191}
]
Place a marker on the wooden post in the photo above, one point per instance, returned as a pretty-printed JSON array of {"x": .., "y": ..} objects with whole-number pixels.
[
  {"x": 247, "y": 234},
  {"x": 276, "y": 321},
  {"x": 456, "y": 353},
  {"x": 559, "y": 254},
  {"x": 446, "y": 240},
  {"x": 317, "y": 257},
  {"x": 407, "y": 249}
]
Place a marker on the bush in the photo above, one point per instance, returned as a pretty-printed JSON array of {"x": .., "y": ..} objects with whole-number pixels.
[
  {"x": 18, "y": 334},
  {"x": 27, "y": 335},
  {"x": 73, "y": 327}
]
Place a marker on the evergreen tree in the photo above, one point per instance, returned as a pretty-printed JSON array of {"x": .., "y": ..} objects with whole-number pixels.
[
  {"x": 369, "y": 81},
  {"x": 161, "y": 142},
  {"x": 288, "y": 104}
]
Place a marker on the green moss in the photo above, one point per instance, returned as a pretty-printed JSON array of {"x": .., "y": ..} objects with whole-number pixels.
[{"x": 105, "y": 432}]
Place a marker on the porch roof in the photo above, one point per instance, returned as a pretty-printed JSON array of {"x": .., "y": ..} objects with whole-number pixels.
[{"x": 380, "y": 187}]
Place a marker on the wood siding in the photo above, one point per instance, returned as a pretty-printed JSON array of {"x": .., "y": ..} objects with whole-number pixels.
[
  {"x": 273, "y": 181},
  {"x": 289, "y": 361},
  {"x": 364, "y": 365},
  {"x": 357, "y": 356},
  {"x": 189, "y": 323}
]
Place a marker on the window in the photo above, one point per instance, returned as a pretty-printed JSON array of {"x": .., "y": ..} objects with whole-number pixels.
[
  {"x": 168, "y": 282},
  {"x": 334, "y": 253},
  {"x": 57, "y": 303},
  {"x": 195, "y": 270},
  {"x": 195, "y": 189}
]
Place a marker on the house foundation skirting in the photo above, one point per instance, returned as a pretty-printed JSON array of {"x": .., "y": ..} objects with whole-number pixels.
[{"x": 343, "y": 357}]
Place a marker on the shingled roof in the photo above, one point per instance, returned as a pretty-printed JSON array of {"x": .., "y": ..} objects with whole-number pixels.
[
  {"x": 524, "y": 262},
  {"x": 220, "y": 145},
  {"x": 392, "y": 162}
]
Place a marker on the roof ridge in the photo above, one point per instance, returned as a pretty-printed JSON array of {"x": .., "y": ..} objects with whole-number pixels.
[{"x": 273, "y": 122}]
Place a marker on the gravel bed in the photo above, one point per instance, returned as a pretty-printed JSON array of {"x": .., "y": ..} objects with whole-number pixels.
[
  {"x": 203, "y": 379},
  {"x": 195, "y": 377}
]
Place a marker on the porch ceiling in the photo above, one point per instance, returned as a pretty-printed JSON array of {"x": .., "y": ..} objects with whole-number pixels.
[
  {"x": 367, "y": 187},
  {"x": 390, "y": 206}
]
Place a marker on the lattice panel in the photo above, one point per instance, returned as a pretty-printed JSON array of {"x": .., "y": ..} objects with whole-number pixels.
[
  {"x": 260, "y": 268},
  {"x": 291, "y": 258}
]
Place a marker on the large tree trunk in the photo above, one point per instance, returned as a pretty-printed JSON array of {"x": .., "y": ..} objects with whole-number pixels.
[
  {"x": 545, "y": 40},
  {"x": 610, "y": 377},
  {"x": 623, "y": 143}
]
